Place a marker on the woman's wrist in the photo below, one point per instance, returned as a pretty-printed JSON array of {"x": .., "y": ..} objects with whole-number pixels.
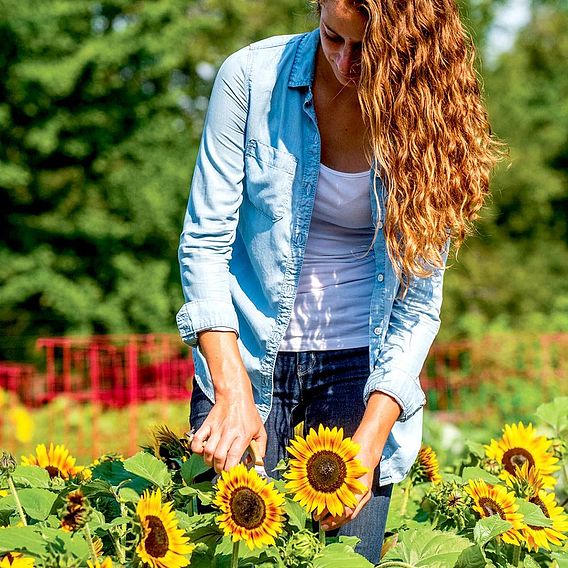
[
  {"x": 225, "y": 364},
  {"x": 380, "y": 416}
]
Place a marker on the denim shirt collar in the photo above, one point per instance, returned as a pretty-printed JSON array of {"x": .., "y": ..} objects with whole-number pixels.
[{"x": 302, "y": 74}]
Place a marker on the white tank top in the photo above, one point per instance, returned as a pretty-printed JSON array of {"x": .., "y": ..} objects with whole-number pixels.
[{"x": 331, "y": 310}]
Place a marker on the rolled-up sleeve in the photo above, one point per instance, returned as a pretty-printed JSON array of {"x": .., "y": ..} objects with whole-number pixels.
[
  {"x": 213, "y": 207},
  {"x": 413, "y": 325}
]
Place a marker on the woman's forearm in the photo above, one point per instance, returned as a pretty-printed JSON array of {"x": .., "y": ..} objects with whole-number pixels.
[
  {"x": 225, "y": 363},
  {"x": 380, "y": 415}
]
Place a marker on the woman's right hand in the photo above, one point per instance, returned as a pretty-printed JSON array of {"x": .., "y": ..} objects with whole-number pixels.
[
  {"x": 233, "y": 421},
  {"x": 227, "y": 431}
]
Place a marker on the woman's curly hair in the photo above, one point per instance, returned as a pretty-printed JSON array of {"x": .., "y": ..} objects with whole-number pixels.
[{"x": 427, "y": 127}]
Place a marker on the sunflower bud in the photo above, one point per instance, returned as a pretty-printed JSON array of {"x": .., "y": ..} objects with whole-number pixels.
[
  {"x": 449, "y": 504},
  {"x": 492, "y": 466},
  {"x": 426, "y": 467},
  {"x": 301, "y": 549},
  {"x": 7, "y": 463}
]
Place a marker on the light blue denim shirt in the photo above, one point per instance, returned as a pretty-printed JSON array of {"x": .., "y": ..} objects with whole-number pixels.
[{"x": 245, "y": 233}]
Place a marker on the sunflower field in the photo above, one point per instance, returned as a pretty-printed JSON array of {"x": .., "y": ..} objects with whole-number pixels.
[{"x": 501, "y": 504}]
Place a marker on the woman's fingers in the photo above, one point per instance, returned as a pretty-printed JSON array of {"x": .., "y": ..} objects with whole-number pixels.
[
  {"x": 210, "y": 447},
  {"x": 200, "y": 439},
  {"x": 229, "y": 452}
]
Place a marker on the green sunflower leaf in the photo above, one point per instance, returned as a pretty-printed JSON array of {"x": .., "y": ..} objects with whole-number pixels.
[
  {"x": 297, "y": 515},
  {"x": 21, "y": 538},
  {"x": 203, "y": 491},
  {"x": 555, "y": 413},
  {"x": 561, "y": 559},
  {"x": 478, "y": 473},
  {"x": 472, "y": 557},
  {"x": 128, "y": 495},
  {"x": 31, "y": 476},
  {"x": 340, "y": 555},
  {"x": 427, "y": 548},
  {"x": 489, "y": 528},
  {"x": 533, "y": 514},
  {"x": 193, "y": 467},
  {"x": 150, "y": 468},
  {"x": 37, "y": 503},
  {"x": 530, "y": 562},
  {"x": 114, "y": 473}
]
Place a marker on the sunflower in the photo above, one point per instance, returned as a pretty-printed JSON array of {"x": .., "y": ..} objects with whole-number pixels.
[
  {"x": 526, "y": 482},
  {"x": 520, "y": 444},
  {"x": 16, "y": 560},
  {"x": 56, "y": 461},
  {"x": 537, "y": 537},
  {"x": 163, "y": 544},
  {"x": 426, "y": 467},
  {"x": 76, "y": 512},
  {"x": 252, "y": 509},
  {"x": 324, "y": 473},
  {"x": 491, "y": 500}
]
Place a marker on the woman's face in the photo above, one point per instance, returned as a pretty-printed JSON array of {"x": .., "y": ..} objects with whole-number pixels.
[{"x": 341, "y": 29}]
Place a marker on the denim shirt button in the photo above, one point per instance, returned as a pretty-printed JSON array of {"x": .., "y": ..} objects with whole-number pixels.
[
  {"x": 377, "y": 331},
  {"x": 380, "y": 225},
  {"x": 380, "y": 277}
]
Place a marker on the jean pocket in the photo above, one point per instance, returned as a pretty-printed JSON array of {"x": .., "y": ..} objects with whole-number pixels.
[{"x": 269, "y": 176}]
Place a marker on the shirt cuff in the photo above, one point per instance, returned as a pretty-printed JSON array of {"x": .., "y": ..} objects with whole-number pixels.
[
  {"x": 200, "y": 315},
  {"x": 402, "y": 387}
]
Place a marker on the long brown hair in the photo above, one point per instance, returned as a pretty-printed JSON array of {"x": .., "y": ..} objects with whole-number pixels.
[{"x": 427, "y": 127}]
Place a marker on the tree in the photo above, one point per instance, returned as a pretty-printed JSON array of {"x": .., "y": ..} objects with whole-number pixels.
[
  {"x": 514, "y": 274},
  {"x": 101, "y": 109}
]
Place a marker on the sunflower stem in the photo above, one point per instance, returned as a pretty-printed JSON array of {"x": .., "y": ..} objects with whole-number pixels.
[
  {"x": 405, "y": 497},
  {"x": 235, "y": 555},
  {"x": 321, "y": 534},
  {"x": 120, "y": 552},
  {"x": 90, "y": 543},
  {"x": 17, "y": 501},
  {"x": 516, "y": 555}
]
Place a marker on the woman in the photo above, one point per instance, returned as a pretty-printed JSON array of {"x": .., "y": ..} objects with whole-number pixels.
[{"x": 334, "y": 167}]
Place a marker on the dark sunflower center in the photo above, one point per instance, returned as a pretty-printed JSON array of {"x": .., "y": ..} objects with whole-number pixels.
[
  {"x": 247, "y": 508},
  {"x": 156, "y": 542},
  {"x": 540, "y": 503},
  {"x": 53, "y": 471},
  {"x": 490, "y": 507},
  {"x": 326, "y": 471},
  {"x": 516, "y": 457}
]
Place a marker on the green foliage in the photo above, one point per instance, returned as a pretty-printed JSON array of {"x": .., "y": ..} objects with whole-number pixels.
[
  {"x": 488, "y": 528},
  {"x": 513, "y": 273},
  {"x": 101, "y": 110},
  {"x": 427, "y": 548},
  {"x": 150, "y": 468}
]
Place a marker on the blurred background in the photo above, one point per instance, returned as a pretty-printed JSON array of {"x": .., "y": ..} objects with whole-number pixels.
[{"x": 101, "y": 109}]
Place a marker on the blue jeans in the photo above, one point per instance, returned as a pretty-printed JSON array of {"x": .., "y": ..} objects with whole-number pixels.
[{"x": 319, "y": 387}]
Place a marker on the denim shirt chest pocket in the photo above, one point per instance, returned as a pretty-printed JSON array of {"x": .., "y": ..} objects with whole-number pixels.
[{"x": 269, "y": 175}]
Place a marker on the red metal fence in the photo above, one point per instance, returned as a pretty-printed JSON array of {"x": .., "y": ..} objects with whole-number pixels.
[
  {"x": 108, "y": 372},
  {"x": 124, "y": 372}
]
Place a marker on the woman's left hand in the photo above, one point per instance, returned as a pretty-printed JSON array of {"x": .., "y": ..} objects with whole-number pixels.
[
  {"x": 380, "y": 415},
  {"x": 368, "y": 460}
]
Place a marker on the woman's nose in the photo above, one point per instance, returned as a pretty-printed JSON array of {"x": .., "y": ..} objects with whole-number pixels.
[{"x": 346, "y": 62}]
